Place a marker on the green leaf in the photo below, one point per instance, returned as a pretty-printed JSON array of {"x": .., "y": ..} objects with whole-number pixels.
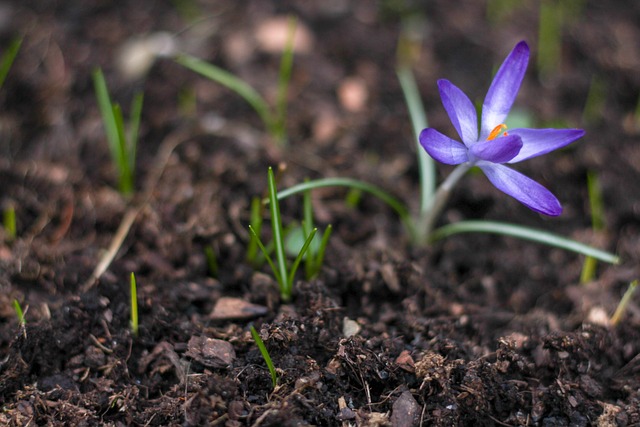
[
  {"x": 524, "y": 233},
  {"x": 232, "y": 82},
  {"x": 19, "y": 313},
  {"x": 284, "y": 77},
  {"x": 278, "y": 237},
  {"x": 418, "y": 117},
  {"x": 7, "y": 59},
  {"x": 296, "y": 262},
  {"x": 267, "y": 257},
  {"x": 385, "y": 197},
  {"x": 106, "y": 111},
  {"x": 134, "y": 304},
  {"x": 265, "y": 355},
  {"x": 134, "y": 128}
]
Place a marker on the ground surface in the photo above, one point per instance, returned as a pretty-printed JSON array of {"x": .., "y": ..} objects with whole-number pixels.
[{"x": 475, "y": 330}]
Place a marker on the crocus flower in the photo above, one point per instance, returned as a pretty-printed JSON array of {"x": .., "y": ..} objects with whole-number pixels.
[{"x": 493, "y": 145}]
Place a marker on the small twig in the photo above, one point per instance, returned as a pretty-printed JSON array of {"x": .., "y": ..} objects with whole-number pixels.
[{"x": 100, "y": 345}]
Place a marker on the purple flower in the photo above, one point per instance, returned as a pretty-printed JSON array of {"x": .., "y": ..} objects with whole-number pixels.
[{"x": 493, "y": 146}]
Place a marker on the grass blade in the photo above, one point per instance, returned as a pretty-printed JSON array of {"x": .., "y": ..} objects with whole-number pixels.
[
  {"x": 265, "y": 252},
  {"x": 7, "y": 59},
  {"x": 524, "y": 233},
  {"x": 134, "y": 304},
  {"x": 385, "y": 197},
  {"x": 597, "y": 223},
  {"x": 212, "y": 261},
  {"x": 278, "y": 236},
  {"x": 418, "y": 117},
  {"x": 256, "y": 224},
  {"x": 134, "y": 128},
  {"x": 318, "y": 259},
  {"x": 232, "y": 82},
  {"x": 125, "y": 179},
  {"x": 296, "y": 262},
  {"x": 106, "y": 111},
  {"x": 284, "y": 77},
  {"x": 9, "y": 222},
  {"x": 265, "y": 355},
  {"x": 19, "y": 313},
  {"x": 624, "y": 302}
]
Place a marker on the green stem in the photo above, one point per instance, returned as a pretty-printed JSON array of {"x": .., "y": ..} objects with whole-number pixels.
[{"x": 428, "y": 218}]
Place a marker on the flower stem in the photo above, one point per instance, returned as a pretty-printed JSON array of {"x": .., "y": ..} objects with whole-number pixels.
[{"x": 427, "y": 219}]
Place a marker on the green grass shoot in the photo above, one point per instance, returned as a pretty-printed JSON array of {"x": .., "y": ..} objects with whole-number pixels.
[
  {"x": 549, "y": 37},
  {"x": 593, "y": 107},
  {"x": 274, "y": 118},
  {"x": 212, "y": 261},
  {"x": 256, "y": 223},
  {"x": 265, "y": 356},
  {"x": 9, "y": 222},
  {"x": 498, "y": 10},
  {"x": 597, "y": 222},
  {"x": 283, "y": 273},
  {"x": 134, "y": 305},
  {"x": 636, "y": 114},
  {"x": 624, "y": 302},
  {"x": 524, "y": 233},
  {"x": 7, "y": 58},
  {"x": 426, "y": 165},
  {"x": 315, "y": 254},
  {"x": 297, "y": 236},
  {"x": 122, "y": 144},
  {"x": 553, "y": 17},
  {"x": 19, "y": 313}
]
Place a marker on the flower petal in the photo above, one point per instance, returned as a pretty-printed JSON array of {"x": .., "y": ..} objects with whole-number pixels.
[
  {"x": 499, "y": 150},
  {"x": 524, "y": 189},
  {"x": 461, "y": 111},
  {"x": 442, "y": 148},
  {"x": 536, "y": 142},
  {"x": 504, "y": 89}
]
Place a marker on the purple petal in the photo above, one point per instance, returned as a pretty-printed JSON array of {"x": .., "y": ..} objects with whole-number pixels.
[
  {"x": 461, "y": 111},
  {"x": 524, "y": 189},
  {"x": 442, "y": 148},
  {"x": 536, "y": 142},
  {"x": 499, "y": 150},
  {"x": 504, "y": 89}
]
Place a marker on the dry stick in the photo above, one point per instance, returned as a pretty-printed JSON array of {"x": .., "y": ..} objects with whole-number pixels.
[{"x": 162, "y": 158}]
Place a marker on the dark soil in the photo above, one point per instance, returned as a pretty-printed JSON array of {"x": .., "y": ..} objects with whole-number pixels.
[{"x": 474, "y": 330}]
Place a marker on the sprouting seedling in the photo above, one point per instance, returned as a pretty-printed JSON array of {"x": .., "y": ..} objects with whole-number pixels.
[
  {"x": 134, "y": 304},
  {"x": 549, "y": 37},
  {"x": 274, "y": 118},
  {"x": 489, "y": 147},
  {"x": 597, "y": 224},
  {"x": 122, "y": 144},
  {"x": 624, "y": 302},
  {"x": 265, "y": 355},
  {"x": 6, "y": 61},
  {"x": 19, "y": 313},
  {"x": 212, "y": 261},
  {"x": 283, "y": 273},
  {"x": 596, "y": 97},
  {"x": 256, "y": 224},
  {"x": 315, "y": 254},
  {"x": 295, "y": 238},
  {"x": 9, "y": 222}
]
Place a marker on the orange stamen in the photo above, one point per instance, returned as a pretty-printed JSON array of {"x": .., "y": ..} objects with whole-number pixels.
[{"x": 496, "y": 131}]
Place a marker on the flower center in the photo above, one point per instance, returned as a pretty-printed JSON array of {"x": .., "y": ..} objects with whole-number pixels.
[{"x": 496, "y": 132}]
